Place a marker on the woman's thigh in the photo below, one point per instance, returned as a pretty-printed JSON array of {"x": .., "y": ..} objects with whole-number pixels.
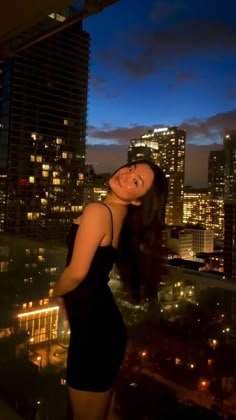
[{"x": 88, "y": 405}]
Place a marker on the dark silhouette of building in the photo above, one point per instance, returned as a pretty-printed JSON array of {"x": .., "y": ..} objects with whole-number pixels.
[
  {"x": 43, "y": 129},
  {"x": 216, "y": 173},
  {"x": 230, "y": 204}
]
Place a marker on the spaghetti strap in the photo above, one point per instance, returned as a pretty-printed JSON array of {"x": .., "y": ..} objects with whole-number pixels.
[{"x": 111, "y": 219}]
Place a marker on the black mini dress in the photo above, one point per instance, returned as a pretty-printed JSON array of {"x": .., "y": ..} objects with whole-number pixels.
[{"x": 97, "y": 330}]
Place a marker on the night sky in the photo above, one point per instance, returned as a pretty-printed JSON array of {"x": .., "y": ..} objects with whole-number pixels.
[{"x": 157, "y": 63}]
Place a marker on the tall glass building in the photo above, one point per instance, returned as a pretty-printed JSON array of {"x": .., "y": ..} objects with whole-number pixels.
[
  {"x": 42, "y": 133},
  {"x": 230, "y": 204},
  {"x": 166, "y": 147}
]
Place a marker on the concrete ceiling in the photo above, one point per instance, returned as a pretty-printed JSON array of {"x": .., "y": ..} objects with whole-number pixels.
[{"x": 16, "y": 16}]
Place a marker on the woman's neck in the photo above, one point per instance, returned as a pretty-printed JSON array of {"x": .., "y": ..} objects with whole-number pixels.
[{"x": 112, "y": 199}]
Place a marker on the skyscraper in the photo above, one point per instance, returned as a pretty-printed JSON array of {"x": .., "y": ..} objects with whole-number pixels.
[
  {"x": 216, "y": 188},
  {"x": 195, "y": 206},
  {"x": 230, "y": 204},
  {"x": 166, "y": 147},
  {"x": 216, "y": 173},
  {"x": 43, "y": 129}
]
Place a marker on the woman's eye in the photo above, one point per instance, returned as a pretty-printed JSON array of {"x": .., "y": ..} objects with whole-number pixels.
[
  {"x": 136, "y": 182},
  {"x": 130, "y": 168}
]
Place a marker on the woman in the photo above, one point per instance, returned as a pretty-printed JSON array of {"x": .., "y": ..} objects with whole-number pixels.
[{"x": 125, "y": 228}]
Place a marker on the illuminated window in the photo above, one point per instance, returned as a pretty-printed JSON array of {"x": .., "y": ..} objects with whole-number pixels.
[
  {"x": 76, "y": 209},
  {"x": 63, "y": 381},
  {"x": 45, "y": 301},
  {"x": 34, "y": 136},
  {"x": 57, "y": 17},
  {"x": 31, "y": 179},
  {"x": 30, "y": 304},
  {"x": 56, "y": 181},
  {"x": 44, "y": 201},
  {"x": 66, "y": 122},
  {"x": 58, "y": 140},
  {"x": 24, "y": 306},
  {"x": 41, "y": 258},
  {"x": 42, "y": 250},
  {"x": 50, "y": 292},
  {"x": 54, "y": 174},
  {"x": 41, "y": 302},
  {"x": 45, "y": 174},
  {"x": 60, "y": 18},
  {"x": 62, "y": 209},
  {"x": 64, "y": 155},
  {"x": 45, "y": 167},
  {"x": 32, "y": 216},
  {"x": 39, "y": 158},
  {"x": 32, "y": 158}
]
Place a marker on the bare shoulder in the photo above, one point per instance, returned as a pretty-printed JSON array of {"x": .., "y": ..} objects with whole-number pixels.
[{"x": 94, "y": 211}]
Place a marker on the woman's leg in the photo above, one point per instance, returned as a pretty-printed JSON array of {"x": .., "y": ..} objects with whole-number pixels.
[{"x": 88, "y": 405}]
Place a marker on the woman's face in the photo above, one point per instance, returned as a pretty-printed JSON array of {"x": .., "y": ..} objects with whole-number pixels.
[{"x": 132, "y": 182}]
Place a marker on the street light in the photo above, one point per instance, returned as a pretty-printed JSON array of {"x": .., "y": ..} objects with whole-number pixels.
[{"x": 39, "y": 359}]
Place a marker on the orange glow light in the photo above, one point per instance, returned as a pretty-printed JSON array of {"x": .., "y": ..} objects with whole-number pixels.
[{"x": 39, "y": 311}]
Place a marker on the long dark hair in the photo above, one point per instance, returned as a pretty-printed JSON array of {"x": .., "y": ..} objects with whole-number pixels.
[{"x": 139, "y": 258}]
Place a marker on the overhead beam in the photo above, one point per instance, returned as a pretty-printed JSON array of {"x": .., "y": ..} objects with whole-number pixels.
[{"x": 13, "y": 40}]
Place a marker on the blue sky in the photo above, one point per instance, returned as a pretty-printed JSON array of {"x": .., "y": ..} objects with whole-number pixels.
[{"x": 161, "y": 62}]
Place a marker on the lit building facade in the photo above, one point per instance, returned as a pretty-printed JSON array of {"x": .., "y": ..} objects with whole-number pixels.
[
  {"x": 189, "y": 241},
  {"x": 42, "y": 138},
  {"x": 3, "y": 181},
  {"x": 40, "y": 323},
  {"x": 215, "y": 217},
  {"x": 95, "y": 186},
  {"x": 195, "y": 206},
  {"x": 216, "y": 191},
  {"x": 203, "y": 240},
  {"x": 165, "y": 147},
  {"x": 180, "y": 242},
  {"x": 28, "y": 271},
  {"x": 230, "y": 204}
]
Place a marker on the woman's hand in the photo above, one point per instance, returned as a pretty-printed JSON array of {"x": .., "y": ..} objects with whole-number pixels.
[{"x": 60, "y": 301}]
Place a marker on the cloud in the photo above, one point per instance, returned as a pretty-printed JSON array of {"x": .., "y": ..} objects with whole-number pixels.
[
  {"x": 163, "y": 10},
  {"x": 210, "y": 130},
  {"x": 203, "y": 135},
  {"x": 161, "y": 48},
  {"x": 119, "y": 134},
  {"x": 199, "y": 131},
  {"x": 102, "y": 88}
]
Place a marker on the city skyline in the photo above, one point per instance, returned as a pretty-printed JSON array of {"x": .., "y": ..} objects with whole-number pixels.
[{"x": 162, "y": 63}]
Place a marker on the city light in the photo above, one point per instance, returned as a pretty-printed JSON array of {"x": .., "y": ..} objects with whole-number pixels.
[{"x": 39, "y": 311}]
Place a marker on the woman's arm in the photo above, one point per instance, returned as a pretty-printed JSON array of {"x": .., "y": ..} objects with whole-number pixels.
[{"x": 89, "y": 236}]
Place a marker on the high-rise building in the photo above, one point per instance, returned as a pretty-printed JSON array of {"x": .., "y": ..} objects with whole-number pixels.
[
  {"x": 230, "y": 204},
  {"x": 215, "y": 216},
  {"x": 3, "y": 180},
  {"x": 216, "y": 186},
  {"x": 43, "y": 129},
  {"x": 216, "y": 173},
  {"x": 166, "y": 147},
  {"x": 195, "y": 206}
]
